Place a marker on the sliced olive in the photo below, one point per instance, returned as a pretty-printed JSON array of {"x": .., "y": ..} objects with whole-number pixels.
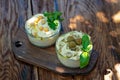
[
  {"x": 72, "y": 44},
  {"x": 70, "y": 38},
  {"x": 78, "y": 41},
  {"x": 73, "y": 49}
]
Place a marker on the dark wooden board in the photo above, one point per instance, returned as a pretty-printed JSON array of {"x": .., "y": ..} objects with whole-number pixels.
[{"x": 45, "y": 57}]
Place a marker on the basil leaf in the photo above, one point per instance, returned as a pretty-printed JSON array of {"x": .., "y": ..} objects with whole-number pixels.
[
  {"x": 46, "y": 14},
  {"x": 84, "y": 59},
  {"x": 85, "y": 42},
  {"x": 52, "y": 25},
  {"x": 51, "y": 17}
]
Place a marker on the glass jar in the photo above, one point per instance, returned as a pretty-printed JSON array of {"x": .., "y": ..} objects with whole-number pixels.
[
  {"x": 41, "y": 41},
  {"x": 62, "y": 49}
]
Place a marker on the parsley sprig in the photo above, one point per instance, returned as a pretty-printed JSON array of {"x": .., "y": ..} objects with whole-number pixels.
[{"x": 51, "y": 17}]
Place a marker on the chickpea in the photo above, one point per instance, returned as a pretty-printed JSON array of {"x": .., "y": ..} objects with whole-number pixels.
[
  {"x": 37, "y": 20},
  {"x": 40, "y": 17},
  {"x": 32, "y": 24},
  {"x": 43, "y": 21},
  {"x": 41, "y": 28},
  {"x": 34, "y": 34},
  {"x": 46, "y": 29}
]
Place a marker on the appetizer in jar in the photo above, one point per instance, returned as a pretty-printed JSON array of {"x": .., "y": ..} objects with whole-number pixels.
[
  {"x": 43, "y": 29},
  {"x": 73, "y": 49}
]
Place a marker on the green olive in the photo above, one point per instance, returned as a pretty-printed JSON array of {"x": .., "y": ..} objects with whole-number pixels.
[
  {"x": 71, "y": 44},
  {"x": 73, "y": 49},
  {"x": 70, "y": 38},
  {"x": 78, "y": 41}
]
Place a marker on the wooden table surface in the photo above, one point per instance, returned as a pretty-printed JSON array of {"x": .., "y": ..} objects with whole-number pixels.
[{"x": 99, "y": 18}]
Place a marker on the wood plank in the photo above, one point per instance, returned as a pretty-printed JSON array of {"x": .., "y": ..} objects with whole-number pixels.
[
  {"x": 13, "y": 13},
  {"x": 46, "y": 74},
  {"x": 40, "y": 6}
]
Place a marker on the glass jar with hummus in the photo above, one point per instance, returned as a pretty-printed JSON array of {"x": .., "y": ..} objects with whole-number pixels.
[
  {"x": 73, "y": 49},
  {"x": 43, "y": 29}
]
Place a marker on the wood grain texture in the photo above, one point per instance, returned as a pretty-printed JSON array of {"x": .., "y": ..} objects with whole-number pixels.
[
  {"x": 40, "y": 6},
  {"x": 12, "y": 16},
  {"x": 95, "y": 17},
  {"x": 48, "y": 75}
]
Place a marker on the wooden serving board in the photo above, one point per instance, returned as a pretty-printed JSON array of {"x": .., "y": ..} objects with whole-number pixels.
[{"x": 45, "y": 57}]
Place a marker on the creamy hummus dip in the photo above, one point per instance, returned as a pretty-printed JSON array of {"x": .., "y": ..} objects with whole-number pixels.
[{"x": 63, "y": 48}]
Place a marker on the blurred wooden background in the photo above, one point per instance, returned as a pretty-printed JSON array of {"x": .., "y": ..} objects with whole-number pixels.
[{"x": 98, "y": 18}]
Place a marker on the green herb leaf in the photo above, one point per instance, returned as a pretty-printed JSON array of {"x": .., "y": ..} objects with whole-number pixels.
[
  {"x": 51, "y": 17},
  {"x": 84, "y": 59},
  {"x": 52, "y": 25},
  {"x": 85, "y": 42}
]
